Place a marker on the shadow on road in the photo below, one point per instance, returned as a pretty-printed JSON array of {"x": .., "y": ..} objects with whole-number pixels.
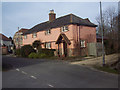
[{"x": 9, "y": 63}]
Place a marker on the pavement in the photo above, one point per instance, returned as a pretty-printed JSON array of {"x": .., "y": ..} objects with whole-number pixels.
[
  {"x": 42, "y": 73},
  {"x": 109, "y": 60}
]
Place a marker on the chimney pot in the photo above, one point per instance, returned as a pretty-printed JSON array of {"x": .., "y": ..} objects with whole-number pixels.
[{"x": 52, "y": 15}]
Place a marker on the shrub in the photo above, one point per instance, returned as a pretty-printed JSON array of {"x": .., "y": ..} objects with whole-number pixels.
[
  {"x": 32, "y": 55},
  {"x": 26, "y": 50},
  {"x": 39, "y": 49},
  {"x": 37, "y": 55},
  {"x": 42, "y": 55},
  {"x": 18, "y": 52},
  {"x": 48, "y": 52},
  {"x": 36, "y": 44}
]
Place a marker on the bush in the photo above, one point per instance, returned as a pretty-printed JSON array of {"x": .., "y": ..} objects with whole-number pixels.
[
  {"x": 26, "y": 50},
  {"x": 48, "y": 52},
  {"x": 42, "y": 55},
  {"x": 18, "y": 52},
  {"x": 33, "y": 55},
  {"x": 37, "y": 55},
  {"x": 36, "y": 44}
]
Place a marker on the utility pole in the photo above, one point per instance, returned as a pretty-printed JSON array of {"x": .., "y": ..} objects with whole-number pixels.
[
  {"x": 18, "y": 38},
  {"x": 103, "y": 54}
]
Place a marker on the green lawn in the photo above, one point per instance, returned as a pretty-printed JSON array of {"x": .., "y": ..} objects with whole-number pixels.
[{"x": 107, "y": 69}]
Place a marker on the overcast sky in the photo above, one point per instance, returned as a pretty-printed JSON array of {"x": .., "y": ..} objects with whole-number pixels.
[{"x": 28, "y": 14}]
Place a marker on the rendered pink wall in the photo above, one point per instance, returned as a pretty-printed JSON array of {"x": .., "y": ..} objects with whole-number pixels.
[
  {"x": 88, "y": 33},
  {"x": 75, "y": 34},
  {"x": 55, "y": 32},
  {"x": 84, "y": 33}
]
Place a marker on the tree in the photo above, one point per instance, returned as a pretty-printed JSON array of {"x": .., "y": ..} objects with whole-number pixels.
[
  {"x": 110, "y": 28},
  {"x": 36, "y": 44},
  {"x": 109, "y": 21},
  {"x": 26, "y": 50}
]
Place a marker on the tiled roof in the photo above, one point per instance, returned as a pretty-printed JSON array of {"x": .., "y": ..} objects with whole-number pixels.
[
  {"x": 65, "y": 38},
  {"x": 58, "y": 22},
  {"x": 23, "y": 30},
  {"x": 4, "y": 38}
]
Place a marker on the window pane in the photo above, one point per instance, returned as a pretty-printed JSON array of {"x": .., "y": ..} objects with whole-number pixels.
[
  {"x": 48, "y": 45},
  {"x": 48, "y": 32},
  {"x": 82, "y": 43}
]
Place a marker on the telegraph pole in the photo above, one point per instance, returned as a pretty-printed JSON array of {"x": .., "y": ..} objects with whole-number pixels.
[
  {"x": 18, "y": 38},
  {"x": 103, "y": 54}
]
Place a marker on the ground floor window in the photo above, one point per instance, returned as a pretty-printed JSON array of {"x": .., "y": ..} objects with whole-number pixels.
[
  {"x": 82, "y": 43},
  {"x": 48, "y": 45}
]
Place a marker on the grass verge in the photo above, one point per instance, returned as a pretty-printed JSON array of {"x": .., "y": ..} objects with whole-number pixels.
[{"x": 106, "y": 69}]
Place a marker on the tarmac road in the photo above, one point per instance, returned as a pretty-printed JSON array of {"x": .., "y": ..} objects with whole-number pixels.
[{"x": 41, "y": 73}]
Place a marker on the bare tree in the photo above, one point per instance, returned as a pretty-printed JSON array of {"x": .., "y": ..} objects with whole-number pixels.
[
  {"x": 108, "y": 20},
  {"x": 110, "y": 27}
]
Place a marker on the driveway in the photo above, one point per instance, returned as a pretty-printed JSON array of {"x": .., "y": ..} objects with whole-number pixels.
[{"x": 36, "y": 73}]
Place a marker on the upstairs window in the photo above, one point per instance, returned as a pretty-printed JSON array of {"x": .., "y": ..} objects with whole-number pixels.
[
  {"x": 48, "y": 45},
  {"x": 64, "y": 28},
  {"x": 82, "y": 43},
  {"x": 48, "y": 32},
  {"x": 34, "y": 35},
  {"x": 25, "y": 36}
]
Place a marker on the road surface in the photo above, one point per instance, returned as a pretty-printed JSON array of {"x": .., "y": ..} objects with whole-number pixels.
[{"x": 36, "y": 73}]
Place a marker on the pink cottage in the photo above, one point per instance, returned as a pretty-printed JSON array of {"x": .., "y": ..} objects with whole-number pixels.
[{"x": 69, "y": 35}]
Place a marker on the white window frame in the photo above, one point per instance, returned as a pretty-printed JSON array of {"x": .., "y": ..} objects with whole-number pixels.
[
  {"x": 82, "y": 43},
  {"x": 64, "y": 28},
  {"x": 34, "y": 35},
  {"x": 48, "y": 32},
  {"x": 48, "y": 45}
]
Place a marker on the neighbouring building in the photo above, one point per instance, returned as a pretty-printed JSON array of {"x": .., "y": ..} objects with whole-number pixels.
[
  {"x": 99, "y": 44},
  {"x": 17, "y": 38},
  {"x": 5, "y": 44},
  {"x": 70, "y": 35}
]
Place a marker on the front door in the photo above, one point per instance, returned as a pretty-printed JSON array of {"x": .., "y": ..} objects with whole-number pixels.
[{"x": 65, "y": 48}]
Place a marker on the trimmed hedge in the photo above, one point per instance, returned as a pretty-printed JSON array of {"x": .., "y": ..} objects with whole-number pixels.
[
  {"x": 37, "y": 55},
  {"x": 33, "y": 55},
  {"x": 26, "y": 50},
  {"x": 42, "y": 55},
  {"x": 48, "y": 52}
]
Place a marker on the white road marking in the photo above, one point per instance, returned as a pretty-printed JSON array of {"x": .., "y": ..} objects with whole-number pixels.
[
  {"x": 33, "y": 77},
  {"x": 18, "y": 69},
  {"x": 24, "y": 72},
  {"x": 50, "y": 85}
]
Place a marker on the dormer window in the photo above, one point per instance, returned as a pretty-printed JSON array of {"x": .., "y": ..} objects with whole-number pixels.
[
  {"x": 64, "y": 28},
  {"x": 48, "y": 32},
  {"x": 34, "y": 35}
]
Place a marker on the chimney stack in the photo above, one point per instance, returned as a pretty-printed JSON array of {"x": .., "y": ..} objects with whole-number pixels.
[{"x": 52, "y": 15}]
